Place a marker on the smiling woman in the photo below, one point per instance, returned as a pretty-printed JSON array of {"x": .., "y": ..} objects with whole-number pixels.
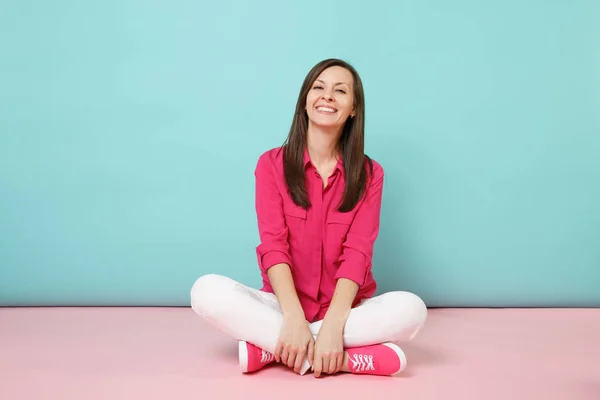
[
  {"x": 330, "y": 102},
  {"x": 318, "y": 201}
]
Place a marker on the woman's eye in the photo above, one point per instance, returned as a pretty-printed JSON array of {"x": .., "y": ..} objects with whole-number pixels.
[
  {"x": 318, "y": 87},
  {"x": 341, "y": 91}
]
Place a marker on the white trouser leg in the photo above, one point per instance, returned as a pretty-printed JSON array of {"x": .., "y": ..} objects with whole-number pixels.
[
  {"x": 241, "y": 312},
  {"x": 254, "y": 316},
  {"x": 390, "y": 317}
]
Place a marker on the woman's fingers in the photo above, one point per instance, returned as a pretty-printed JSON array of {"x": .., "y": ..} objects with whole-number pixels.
[
  {"x": 284, "y": 355},
  {"x": 292, "y": 353},
  {"x": 299, "y": 360},
  {"x": 291, "y": 359},
  {"x": 277, "y": 352},
  {"x": 327, "y": 364},
  {"x": 340, "y": 362},
  {"x": 333, "y": 361},
  {"x": 317, "y": 366},
  {"x": 311, "y": 351},
  {"x": 325, "y": 361}
]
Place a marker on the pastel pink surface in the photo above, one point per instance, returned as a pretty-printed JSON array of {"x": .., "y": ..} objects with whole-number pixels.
[{"x": 152, "y": 353}]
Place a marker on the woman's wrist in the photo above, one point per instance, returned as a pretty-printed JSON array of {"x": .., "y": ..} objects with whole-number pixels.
[
  {"x": 336, "y": 317},
  {"x": 281, "y": 279},
  {"x": 293, "y": 312},
  {"x": 341, "y": 303}
]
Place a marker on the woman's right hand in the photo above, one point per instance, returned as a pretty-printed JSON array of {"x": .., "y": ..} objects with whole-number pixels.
[{"x": 295, "y": 343}]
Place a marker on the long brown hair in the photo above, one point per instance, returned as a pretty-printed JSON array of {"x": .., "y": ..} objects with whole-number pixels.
[{"x": 351, "y": 143}]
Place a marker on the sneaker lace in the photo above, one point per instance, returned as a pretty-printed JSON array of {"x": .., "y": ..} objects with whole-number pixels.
[
  {"x": 362, "y": 362},
  {"x": 265, "y": 357}
]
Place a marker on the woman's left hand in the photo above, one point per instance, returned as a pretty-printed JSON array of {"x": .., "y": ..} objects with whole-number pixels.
[{"x": 329, "y": 349}]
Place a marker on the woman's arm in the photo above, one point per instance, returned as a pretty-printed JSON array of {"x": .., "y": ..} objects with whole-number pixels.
[
  {"x": 341, "y": 303},
  {"x": 280, "y": 277},
  {"x": 355, "y": 265},
  {"x": 357, "y": 251},
  {"x": 330, "y": 343},
  {"x": 295, "y": 340},
  {"x": 274, "y": 252}
]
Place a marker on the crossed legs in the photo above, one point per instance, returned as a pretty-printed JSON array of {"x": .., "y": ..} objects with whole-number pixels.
[{"x": 254, "y": 316}]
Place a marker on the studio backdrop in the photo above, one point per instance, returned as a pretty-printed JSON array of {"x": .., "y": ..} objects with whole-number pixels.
[{"x": 130, "y": 129}]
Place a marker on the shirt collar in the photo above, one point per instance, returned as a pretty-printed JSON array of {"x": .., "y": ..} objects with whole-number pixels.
[{"x": 339, "y": 166}]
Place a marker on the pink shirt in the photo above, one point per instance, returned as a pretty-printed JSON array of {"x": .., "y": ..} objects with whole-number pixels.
[{"x": 320, "y": 244}]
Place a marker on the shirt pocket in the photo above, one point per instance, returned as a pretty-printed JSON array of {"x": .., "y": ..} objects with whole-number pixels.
[
  {"x": 338, "y": 225},
  {"x": 295, "y": 219}
]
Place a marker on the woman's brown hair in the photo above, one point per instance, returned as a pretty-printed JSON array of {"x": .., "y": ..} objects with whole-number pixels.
[{"x": 351, "y": 143}]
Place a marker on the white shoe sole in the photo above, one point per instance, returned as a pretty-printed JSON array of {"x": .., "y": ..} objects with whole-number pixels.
[
  {"x": 243, "y": 355},
  {"x": 400, "y": 354}
]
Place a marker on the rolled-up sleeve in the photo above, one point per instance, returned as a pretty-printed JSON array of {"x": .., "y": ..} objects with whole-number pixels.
[
  {"x": 273, "y": 232},
  {"x": 357, "y": 249}
]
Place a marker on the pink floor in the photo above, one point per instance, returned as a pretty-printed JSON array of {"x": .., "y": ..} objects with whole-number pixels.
[{"x": 156, "y": 353}]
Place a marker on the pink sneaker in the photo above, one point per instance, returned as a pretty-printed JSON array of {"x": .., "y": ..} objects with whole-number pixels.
[
  {"x": 253, "y": 358},
  {"x": 379, "y": 359}
]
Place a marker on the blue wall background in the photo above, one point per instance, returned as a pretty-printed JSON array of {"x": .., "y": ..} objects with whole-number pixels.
[{"x": 129, "y": 132}]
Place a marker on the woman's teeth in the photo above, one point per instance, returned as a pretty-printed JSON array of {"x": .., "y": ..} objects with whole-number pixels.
[{"x": 326, "y": 109}]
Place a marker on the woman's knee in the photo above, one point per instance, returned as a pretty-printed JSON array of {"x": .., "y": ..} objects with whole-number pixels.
[
  {"x": 409, "y": 310},
  {"x": 207, "y": 291}
]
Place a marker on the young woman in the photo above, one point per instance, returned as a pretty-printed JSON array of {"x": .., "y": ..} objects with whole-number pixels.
[{"x": 318, "y": 201}]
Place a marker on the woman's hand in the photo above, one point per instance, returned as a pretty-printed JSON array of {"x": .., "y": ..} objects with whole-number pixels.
[
  {"x": 295, "y": 342},
  {"x": 329, "y": 349}
]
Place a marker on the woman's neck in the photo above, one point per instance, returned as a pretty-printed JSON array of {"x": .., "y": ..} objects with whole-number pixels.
[{"x": 322, "y": 145}]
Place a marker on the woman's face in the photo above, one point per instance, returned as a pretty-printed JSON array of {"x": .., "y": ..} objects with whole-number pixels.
[{"x": 330, "y": 100}]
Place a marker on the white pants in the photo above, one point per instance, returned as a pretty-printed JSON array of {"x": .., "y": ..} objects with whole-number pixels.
[{"x": 255, "y": 316}]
